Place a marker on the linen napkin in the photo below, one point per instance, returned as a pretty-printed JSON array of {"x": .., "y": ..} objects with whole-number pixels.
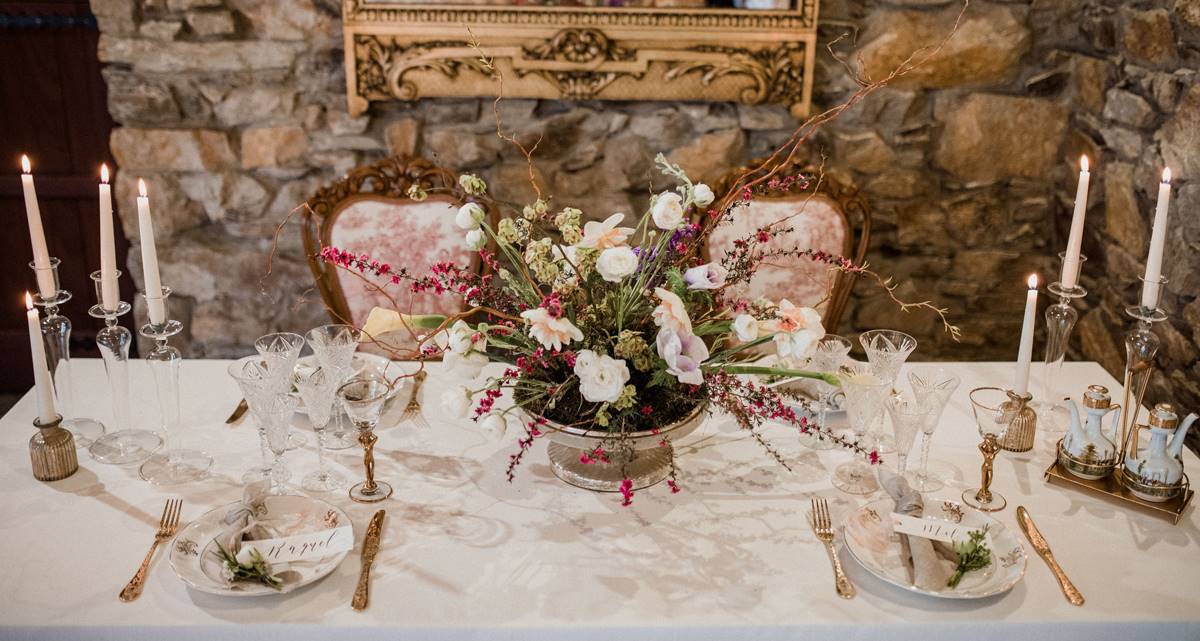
[{"x": 930, "y": 563}]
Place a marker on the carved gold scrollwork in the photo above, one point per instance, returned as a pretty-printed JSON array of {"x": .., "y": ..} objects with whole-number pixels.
[
  {"x": 383, "y": 62},
  {"x": 588, "y": 47},
  {"x": 777, "y": 73}
]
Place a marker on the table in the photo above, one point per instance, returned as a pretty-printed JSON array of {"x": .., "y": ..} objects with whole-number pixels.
[{"x": 467, "y": 555}]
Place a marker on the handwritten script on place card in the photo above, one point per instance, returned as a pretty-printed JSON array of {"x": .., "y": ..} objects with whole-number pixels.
[
  {"x": 935, "y": 529},
  {"x": 301, "y": 547}
]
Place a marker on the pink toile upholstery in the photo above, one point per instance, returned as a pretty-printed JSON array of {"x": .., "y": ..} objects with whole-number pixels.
[
  {"x": 816, "y": 223},
  {"x": 404, "y": 234}
]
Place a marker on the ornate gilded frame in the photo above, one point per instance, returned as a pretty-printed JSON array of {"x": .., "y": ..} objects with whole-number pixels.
[
  {"x": 401, "y": 51},
  {"x": 856, "y": 216}
]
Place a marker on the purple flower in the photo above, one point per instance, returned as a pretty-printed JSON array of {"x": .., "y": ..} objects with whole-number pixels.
[
  {"x": 683, "y": 353},
  {"x": 707, "y": 276}
]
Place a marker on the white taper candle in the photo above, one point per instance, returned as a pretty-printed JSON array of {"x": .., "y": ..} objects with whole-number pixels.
[
  {"x": 1025, "y": 352},
  {"x": 1070, "y": 269},
  {"x": 1158, "y": 240},
  {"x": 109, "y": 291},
  {"x": 153, "y": 283},
  {"x": 43, "y": 389},
  {"x": 37, "y": 236}
]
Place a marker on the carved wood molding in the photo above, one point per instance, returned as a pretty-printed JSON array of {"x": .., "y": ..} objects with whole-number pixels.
[{"x": 405, "y": 52}]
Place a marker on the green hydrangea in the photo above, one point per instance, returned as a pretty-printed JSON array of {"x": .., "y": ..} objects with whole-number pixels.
[
  {"x": 627, "y": 398},
  {"x": 472, "y": 184},
  {"x": 507, "y": 232},
  {"x": 571, "y": 234},
  {"x": 568, "y": 217}
]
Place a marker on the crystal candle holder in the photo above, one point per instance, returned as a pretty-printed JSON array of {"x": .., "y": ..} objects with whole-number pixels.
[
  {"x": 56, "y": 334},
  {"x": 124, "y": 445},
  {"x": 175, "y": 464},
  {"x": 1141, "y": 346},
  {"x": 1060, "y": 321}
]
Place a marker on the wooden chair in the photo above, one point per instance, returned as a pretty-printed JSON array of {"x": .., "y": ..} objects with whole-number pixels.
[
  {"x": 832, "y": 218},
  {"x": 370, "y": 211}
]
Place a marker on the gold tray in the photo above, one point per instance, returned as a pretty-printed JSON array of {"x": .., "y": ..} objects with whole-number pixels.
[{"x": 1112, "y": 488}]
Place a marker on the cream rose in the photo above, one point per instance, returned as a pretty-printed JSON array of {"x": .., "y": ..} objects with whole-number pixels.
[
  {"x": 667, "y": 210},
  {"x": 476, "y": 239},
  {"x": 746, "y": 327},
  {"x": 456, "y": 401},
  {"x": 671, "y": 312},
  {"x": 494, "y": 426},
  {"x": 550, "y": 332},
  {"x": 601, "y": 378},
  {"x": 615, "y": 263},
  {"x": 702, "y": 195},
  {"x": 469, "y": 216}
]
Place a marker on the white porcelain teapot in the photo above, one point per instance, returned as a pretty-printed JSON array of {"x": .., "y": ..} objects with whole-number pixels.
[
  {"x": 1161, "y": 463},
  {"x": 1091, "y": 454}
]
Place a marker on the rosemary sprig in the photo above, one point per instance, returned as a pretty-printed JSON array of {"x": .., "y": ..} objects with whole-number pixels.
[
  {"x": 256, "y": 570},
  {"x": 973, "y": 554}
]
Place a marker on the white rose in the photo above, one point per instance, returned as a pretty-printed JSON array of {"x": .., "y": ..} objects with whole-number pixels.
[
  {"x": 456, "y": 401},
  {"x": 494, "y": 426},
  {"x": 702, "y": 194},
  {"x": 601, "y": 378},
  {"x": 467, "y": 365},
  {"x": 746, "y": 327},
  {"x": 615, "y": 263},
  {"x": 469, "y": 216},
  {"x": 476, "y": 239},
  {"x": 667, "y": 210},
  {"x": 462, "y": 338}
]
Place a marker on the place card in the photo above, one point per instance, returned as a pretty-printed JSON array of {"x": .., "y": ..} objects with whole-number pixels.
[
  {"x": 935, "y": 529},
  {"x": 301, "y": 547}
]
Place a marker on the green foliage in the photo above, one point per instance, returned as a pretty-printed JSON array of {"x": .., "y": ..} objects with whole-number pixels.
[
  {"x": 256, "y": 570},
  {"x": 973, "y": 554}
]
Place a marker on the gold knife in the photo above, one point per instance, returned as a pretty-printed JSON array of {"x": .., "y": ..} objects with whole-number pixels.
[
  {"x": 1043, "y": 549},
  {"x": 237, "y": 412},
  {"x": 370, "y": 549}
]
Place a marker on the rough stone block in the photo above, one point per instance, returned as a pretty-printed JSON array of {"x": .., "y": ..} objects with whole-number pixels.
[
  {"x": 171, "y": 149},
  {"x": 115, "y": 17},
  {"x": 1122, "y": 216},
  {"x": 208, "y": 24},
  {"x": 710, "y": 156},
  {"x": 254, "y": 104},
  {"x": 1128, "y": 108},
  {"x": 273, "y": 146},
  {"x": 1148, "y": 37},
  {"x": 983, "y": 140},
  {"x": 135, "y": 100},
  {"x": 177, "y": 56},
  {"x": 402, "y": 136},
  {"x": 161, "y": 29},
  {"x": 1180, "y": 136}
]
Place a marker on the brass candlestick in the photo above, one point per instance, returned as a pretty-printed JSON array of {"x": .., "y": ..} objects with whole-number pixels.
[{"x": 52, "y": 451}]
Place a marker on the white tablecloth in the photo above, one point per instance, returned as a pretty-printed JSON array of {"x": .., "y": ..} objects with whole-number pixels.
[{"x": 467, "y": 555}]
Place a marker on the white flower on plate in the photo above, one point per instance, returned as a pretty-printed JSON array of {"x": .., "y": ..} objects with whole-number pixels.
[
  {"x": 746, "y": 327},
  {"x": 799, "y": 329},
  {"x": 550, "y": 332},
  {"x": 702, "y": 194},
  {"x": 476, "y": 239},
  {"x": 601, "y": 378},
  {"x": 683, "y": 353},
  {"x": 494, "y": 426},
  {"x": 602, "y": 235},
  {"x": 456, "y": 401},
  {"x": 469, "y": 216},
  {"x": 467, "y": 365},
  {"x": 707, "y": 276},
  {"x": 671, "y": 312},
  {"x": 667, "y": 210},
  {"x": 615, "y": 263}
]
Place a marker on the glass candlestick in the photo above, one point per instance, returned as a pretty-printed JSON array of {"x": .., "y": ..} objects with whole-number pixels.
[
  {"x": 56, "y": 334},
  {"x": 1141, "y": 346},
  {"x": 1060, "y": 320},
  {"x": 124, "y": 445},
  {"x": 175, "y": 464}
]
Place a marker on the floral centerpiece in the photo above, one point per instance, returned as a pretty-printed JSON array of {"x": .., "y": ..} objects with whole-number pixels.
[{"x": 614, "y": 333}]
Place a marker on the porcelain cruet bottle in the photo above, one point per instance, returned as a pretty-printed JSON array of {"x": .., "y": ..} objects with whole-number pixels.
[
  {"x": 1090, "y": 454},
  {"x": 1156, "y": 471}
]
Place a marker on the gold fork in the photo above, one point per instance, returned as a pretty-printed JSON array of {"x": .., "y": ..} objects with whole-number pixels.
[
  {"x": 166, "y": 529},
  {"x": 823, "y": 527},
  {"x": 412, "y": 411}
]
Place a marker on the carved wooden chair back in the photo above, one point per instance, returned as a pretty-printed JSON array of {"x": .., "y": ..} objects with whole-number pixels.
[
  {"x": 826, "y": 216},
  {"x": 398, "y": 211}
]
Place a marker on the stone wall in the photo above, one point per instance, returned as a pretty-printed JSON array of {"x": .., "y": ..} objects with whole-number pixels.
[{"x": 235, "y": 111}]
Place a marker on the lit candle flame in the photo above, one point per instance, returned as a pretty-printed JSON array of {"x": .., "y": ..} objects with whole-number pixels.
[
  {"x": 28, "y": 301},
  {"x": 25, "y": 166},
  {"x": 1167, "y": 175},
  {"x": 104, "y": 173},
  {"x": 141, "y": 188},
  {"x": 1032, "y": 281},
  {"x": 1083, "y": 163}
]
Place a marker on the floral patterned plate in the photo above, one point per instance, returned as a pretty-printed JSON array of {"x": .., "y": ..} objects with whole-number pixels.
[
  {"x": 194, "y": 559},
  {"x": 871, "y": 542}
]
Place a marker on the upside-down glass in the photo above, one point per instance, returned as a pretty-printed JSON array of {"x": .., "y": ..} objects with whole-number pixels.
[
  {"x": 934, "y": 386},
  {"x": 363, "y": 398},
  {"x": 887, "y": 350},
  {"x": 260, "y": 384},
  {"x": 334, "y": 347},
  {"x": 994, "y": 412},
  {"x": 829, "y": 356},
  {"x": 909, "y": 415},
  {"x": 866, "y": 393},
  {"x": 318, "y": 390}
]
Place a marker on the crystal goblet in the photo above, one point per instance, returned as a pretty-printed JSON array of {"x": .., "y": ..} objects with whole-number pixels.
[
  {"x": 334, "y": 347},
  {"x": 279, "y": 409},
  {"x": 363, "y": 398},
  {"x": 829, "y": 356},
  {"x": 259, "y": 383},
  {"x": 994, "y": 411},
  {"x": 280, "y": 350},
  {"x": 866, "y": 393},
  {"x": 934, "y": 386},
  {"x": 318, "y": 390},
  {"x": 887, "y": 350},
  {"x": 909, "y": 415}
]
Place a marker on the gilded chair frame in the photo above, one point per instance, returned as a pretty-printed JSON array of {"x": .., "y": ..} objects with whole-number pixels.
[
  {"x": 388, "y": 180},
  {"x": 856, "y": 219}
]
